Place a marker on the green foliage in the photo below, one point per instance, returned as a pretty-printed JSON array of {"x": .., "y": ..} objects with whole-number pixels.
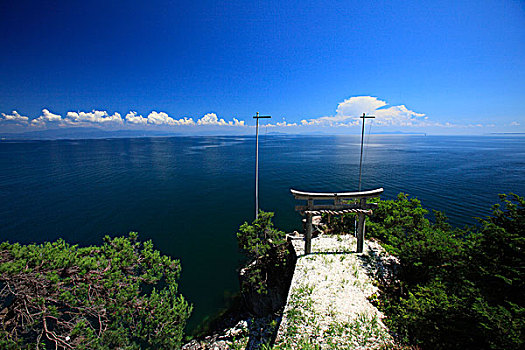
[
  {"x": 394, "y": 220},
  {"x": 496, "y": 265},
  {"x": 257, "y": 239},
  {"x": 122, "y": 294},
  {"x": 264, "y": 246},
  {"x": 455, "y": 288},
  {"x": 341, "y": 225}
]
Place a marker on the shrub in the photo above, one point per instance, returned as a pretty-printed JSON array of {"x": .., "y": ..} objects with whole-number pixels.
[
  {"x": 496, "y": 267},
  {"x": 260, "y": 241},
  {"x": 266, "y": 278},
  {"x": 456, "y": 288},
  {"x": 122, "y": 294}
]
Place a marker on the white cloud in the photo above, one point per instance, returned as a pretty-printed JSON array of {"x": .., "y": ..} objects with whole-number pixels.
[
  {"x": 331, "y": 121},
  {"x": 237, "y": 122},
  {"x": 349, "y": 111},
  {"x": 357, "y": 105},
  {"x": 185, "y": 121},
  {"x": 281, "y": 124},
  {"x": 133, "y": 118},
  {"x": 46, "y": 117},
  {"x": 212, "y": 119},
  {"x": 398, "y": 115},
  {"x": 103, "y": 118},
  {"x": 15, "y": 117},
  {"x": 514, "y": 123},
  {"x": 97, "y": 117},
  {"x": 161, "y": 118}
]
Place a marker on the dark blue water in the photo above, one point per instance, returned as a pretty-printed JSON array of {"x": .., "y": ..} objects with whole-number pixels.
[{"x": 190, "y": 194}]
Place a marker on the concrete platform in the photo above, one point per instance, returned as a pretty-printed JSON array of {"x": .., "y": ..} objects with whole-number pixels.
[{"x": 328, "y": 302}]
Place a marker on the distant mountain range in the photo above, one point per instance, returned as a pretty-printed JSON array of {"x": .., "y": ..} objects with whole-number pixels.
[
  {"x": 82, "y": 133},
  {"x": 95, "y": 133},
  {"x": 358, "y": 133}
]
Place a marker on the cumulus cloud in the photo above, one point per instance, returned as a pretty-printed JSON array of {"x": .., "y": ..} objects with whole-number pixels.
[
  {"x": 161, "y": 118},
  {"x": 398, "y": 115},
  {"x": 133, "y": 118},
  {"x": 46, "y": 117},
  {"x": 283, "y": 124},
  {"x": 237, "y": 122},
  {"x": 357, "y": 105},
  {"x": 212, "y": 119},
  {"x": 184, "y": 121},
  {"x": 349, "y": 111},
  {"x": 331, "y": 121},
  {"x": 97, "y": 117},
  {"x": 103, "y": 118},
  {"x": 14, "y": 117}
]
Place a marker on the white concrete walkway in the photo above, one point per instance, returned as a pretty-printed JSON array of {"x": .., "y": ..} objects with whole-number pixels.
[{"x": 328, "y": 303}]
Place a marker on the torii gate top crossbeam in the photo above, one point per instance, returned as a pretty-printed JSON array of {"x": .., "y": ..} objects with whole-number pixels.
[{"x": 333, "y": 195}]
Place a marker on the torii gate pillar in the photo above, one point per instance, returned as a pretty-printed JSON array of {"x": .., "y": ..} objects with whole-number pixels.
[{"x": 361, "y": 227}]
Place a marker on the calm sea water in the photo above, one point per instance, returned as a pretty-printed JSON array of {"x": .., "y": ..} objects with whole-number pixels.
[{"x": 190, "y": 194}]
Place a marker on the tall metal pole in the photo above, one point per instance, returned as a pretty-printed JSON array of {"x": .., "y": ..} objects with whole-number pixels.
[
  {"x": 257, "y": 167},
  {"x": 257, "y": 117},
  {"x": 362, "y": 137}
]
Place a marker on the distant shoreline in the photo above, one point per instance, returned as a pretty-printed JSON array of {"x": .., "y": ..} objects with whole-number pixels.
[{"x": 52, "y": 135}]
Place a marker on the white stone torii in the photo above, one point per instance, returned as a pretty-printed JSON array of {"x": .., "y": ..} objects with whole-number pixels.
[{"x": 338, "y": 207}]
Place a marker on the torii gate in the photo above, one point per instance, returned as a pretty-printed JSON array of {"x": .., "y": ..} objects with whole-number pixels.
[{"x": 338, "y": 208}]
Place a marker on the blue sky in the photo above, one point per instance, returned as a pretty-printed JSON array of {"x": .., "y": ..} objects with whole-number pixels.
[{"x": 441, "y": 67}]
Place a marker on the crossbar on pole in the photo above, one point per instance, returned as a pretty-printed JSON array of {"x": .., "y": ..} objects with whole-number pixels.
[{"x": 362, "y": 137}]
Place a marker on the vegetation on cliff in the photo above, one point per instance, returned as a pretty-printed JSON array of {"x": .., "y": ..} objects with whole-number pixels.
[
  {"x": 261, "y": 242},
  {"x": 122, "y": 294},
  {"x": 266, "y": 277},
  {"x": 456, "y": 288}
]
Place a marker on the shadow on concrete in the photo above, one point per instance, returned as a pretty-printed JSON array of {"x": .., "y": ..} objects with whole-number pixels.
[{"x": 328, "y": 253}]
